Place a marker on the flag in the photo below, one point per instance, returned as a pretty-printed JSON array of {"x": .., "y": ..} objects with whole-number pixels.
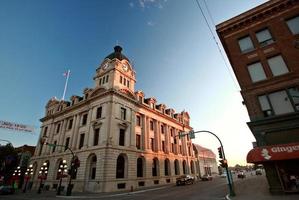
[{"x": 66, "y": 73}]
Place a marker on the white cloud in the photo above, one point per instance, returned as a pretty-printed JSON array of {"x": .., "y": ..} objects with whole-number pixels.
[
  {"x": 151, "y": 3},
  {"x": 150, "y": 23},
  {"x": 131, "y": 4}
]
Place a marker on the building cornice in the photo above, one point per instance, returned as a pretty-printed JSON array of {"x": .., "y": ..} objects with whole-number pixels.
[{"x": 255, "y": 14}]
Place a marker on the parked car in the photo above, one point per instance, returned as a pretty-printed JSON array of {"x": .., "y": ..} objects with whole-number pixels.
[
  {"x": 241, "y": 174},
  {"x": 258, "y": 172},
  {"x": 185, "y": 179},
  {"x": 7, "y": 189},
  {"x": 206, "y": 177}
]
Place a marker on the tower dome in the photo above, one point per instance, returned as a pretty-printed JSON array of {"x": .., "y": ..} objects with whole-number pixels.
[{"x": 117, "y": 54}]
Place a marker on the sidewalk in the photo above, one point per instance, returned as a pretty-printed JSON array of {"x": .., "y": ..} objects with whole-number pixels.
[{"x": 257, "y": 188}]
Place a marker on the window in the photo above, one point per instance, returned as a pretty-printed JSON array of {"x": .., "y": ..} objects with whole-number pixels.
[
  {"x": 138, "y": 120},
  {"x": 264, "y": 37},
  {"x": 70, "y": 124},
  {"x": 45, "y": 131},
  {"x": 155, "y": 167},
  {"x": 99, "y": 112},
  {"x": 93, "y": 168},
  {"x": 128, "y": 83},
  {"x": 151, "y": 125},
  {"x": 180, "y": 149},
  {"x": 189, "y": 151},
  {"x": 166, "y": 167},
  {"x": 294, "y": 95},
  {"x": 277, "y": 66},
  {"x": 121, "y": 141},
  {"x": 84, "y": 119},
  {"x": 172, "y": 147},
  {"x": 123, "y": 113},
  {"x": 245, "y": 44},
  {"x": 138, "y": 140},
  {"x": 107, "y": 77},
  {"x": 171, "y": 132},
  {"x": 120, "y": 167},
  {"x": 125, "y": 81},
  {"x": 280, "y": 102},
  {"x": 162, "y": 129},
  {"x": 96, "y": 137},
  {"x": 100, "y": 81},
  {"x": 152, "y": 144},
  {"x": 163, "y": 146},
  {"x": 54, "y": 146},
  {"x": 58, "y": 128},
  {"x": 67, "y": 143},
  {"x": 139, "y": 167},
  {"x": 256, "y": 72},
  {"x": 81, "y": 142},
  {"x": 121, "y": 79},
  {"x": 293, "y": 25},
  {"x": 176, "y": 167}
]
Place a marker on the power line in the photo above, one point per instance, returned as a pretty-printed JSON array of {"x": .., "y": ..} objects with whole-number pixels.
[{"x": 217, "y": 44}]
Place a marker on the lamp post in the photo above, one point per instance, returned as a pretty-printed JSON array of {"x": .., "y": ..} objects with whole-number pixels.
[
  {"x": 28, "y": 174},
  {"x": 62, "y": 168},
  {"x": 42, "y": 175},
  {"x": 16, "y": 175}
]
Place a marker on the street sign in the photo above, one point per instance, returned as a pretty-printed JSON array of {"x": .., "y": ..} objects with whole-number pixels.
[{"x": 191, "y": 134}]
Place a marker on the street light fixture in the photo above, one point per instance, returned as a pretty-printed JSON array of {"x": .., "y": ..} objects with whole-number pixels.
[
  {"x": 28, "y": 174},
  {"x": 61, "y": 169},
  {"x": 42, "y": 175}
]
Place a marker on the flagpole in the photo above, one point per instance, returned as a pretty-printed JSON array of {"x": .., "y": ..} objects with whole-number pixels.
[{"x": 66, "y": 81}]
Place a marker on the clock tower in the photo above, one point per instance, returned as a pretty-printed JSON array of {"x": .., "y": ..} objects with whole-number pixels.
[{"x": 116, "y": 72}]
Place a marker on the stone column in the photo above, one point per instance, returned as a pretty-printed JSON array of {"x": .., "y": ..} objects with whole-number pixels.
[
  {"x": 88, "y": 131},
  {"x": 62, "y": 135},
  {"x": 75, "y": 131},
  {"x": 131, "y": 129}
]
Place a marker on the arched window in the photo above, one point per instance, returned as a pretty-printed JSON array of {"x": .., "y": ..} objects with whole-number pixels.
[
  {"x": 120, "y": 167},
  {"x": 139, "y": 167},
  {"x": 184, "y": 167},
  {"x": 192, "y": 167},
  {"x": 155, "y": 167},
  {"x": 93, "y": 167},
  {"x": 176, "y": 167},
  {"x": 166, "y": 167}
]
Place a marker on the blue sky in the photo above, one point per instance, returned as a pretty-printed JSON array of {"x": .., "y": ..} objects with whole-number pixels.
[{"x": 173, "y": 53}]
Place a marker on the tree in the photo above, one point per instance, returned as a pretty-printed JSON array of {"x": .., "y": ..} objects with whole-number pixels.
[{"x": 8, "y": 161}]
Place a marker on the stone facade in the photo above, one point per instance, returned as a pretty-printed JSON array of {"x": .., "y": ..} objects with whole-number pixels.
[
  {"x": 262, "y": 47},
  {"x": 123, "y": 140}
]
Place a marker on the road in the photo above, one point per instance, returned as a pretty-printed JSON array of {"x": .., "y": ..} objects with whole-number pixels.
[{"x": 201, "y": 190}]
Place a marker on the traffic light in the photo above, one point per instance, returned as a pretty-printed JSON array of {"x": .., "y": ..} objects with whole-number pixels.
[
  {"x": 75, "y": 163},
  {"x": 223, "y": 163},
  {"x": 220, "y": 152},
  {"x": 191, "y": 134}
]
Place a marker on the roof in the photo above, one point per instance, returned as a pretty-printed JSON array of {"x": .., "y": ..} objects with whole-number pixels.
[
  {"x": 204, "y": 152},
  {"x": 117, "y": 54}
]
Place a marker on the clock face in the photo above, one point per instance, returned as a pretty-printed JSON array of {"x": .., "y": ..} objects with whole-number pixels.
[
  {"x": 125, "y": 67},
  {"x": 105, "y": 66}
]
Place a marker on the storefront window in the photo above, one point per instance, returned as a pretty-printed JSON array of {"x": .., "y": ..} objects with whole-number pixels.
[{"x": 289, "y": 175}]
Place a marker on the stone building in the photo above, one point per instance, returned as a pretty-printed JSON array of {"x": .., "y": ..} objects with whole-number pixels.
[
  {"x": 206, "y": 159},
  {"x": 262, "y": 45},
  {"x": 122, "y": 139}
]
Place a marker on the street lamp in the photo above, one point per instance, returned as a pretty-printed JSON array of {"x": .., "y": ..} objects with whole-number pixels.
[
  {"x": 16, "y": 175},
  {"x": 42, "y": 175},
  {"x": 62, "y": 168},
  {"x": 28, "y": 174}
]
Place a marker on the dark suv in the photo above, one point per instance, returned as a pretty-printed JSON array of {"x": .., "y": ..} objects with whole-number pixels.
[{"x": 184, "y": 179}]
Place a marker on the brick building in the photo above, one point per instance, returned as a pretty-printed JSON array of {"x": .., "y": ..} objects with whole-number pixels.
[
  {"x": 122, "y": 139},
  {"x": 262, "y": 45}
]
